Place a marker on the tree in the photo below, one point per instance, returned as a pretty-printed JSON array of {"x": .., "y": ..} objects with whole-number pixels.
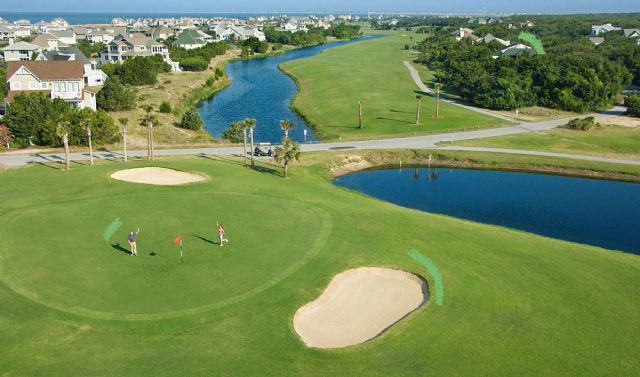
[
  {"x": 123, "y": 122},
  {"x": 194, "y": 64},
  {"x": 149, "y": 120},
  {"x": 34, "y": 117},
  {"x": 5, "y": 136},
  {"x": 62, "y": 131},
  {"x": 250, "y": 123},
  {"x": 287, "y": 152},
  {"x": 191, "y": 120},
  {"x": 4, "y": 86},
  {"x": 632, "y": 102},
  {"x": 287, "y": 125},
  {"x": 114, "y": 96}
]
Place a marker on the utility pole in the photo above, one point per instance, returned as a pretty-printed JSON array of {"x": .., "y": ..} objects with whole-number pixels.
[
  {"x": 438, "y": 87},
  {"x": 90, "y": 146},
  {"x": 360, "y": 115},
  {"x": 418, "y": 98}
]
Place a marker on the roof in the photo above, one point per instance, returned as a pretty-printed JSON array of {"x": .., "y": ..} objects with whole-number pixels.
[
  {"x": 63, "y": 33},
  {"x": 13, "y": 93},
  {"x": 50, "y": 70},
  {"x": 189, "y": 37},
  {"x": 22, "y": 46},
  {"x": 65, "y": 53},
  {"x": 596, "y": 40},
  {"x": 631, "y": 33},
  {"x": 42, "y": 40}
]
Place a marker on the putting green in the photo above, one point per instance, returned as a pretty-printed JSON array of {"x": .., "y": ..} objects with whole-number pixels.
[{"x": 100, "y": 279}]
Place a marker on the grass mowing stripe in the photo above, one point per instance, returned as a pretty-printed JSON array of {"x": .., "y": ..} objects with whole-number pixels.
[
  {"x": 111, "y": 229},
  {"x": 433, "y": 271}
]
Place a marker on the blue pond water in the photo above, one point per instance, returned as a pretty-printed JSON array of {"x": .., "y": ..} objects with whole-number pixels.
[
  {"x": 260, "y": 90},
  {"x": 595, "y": 212}
]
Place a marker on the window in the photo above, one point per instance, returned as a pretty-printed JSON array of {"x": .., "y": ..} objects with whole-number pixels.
[
  {"x": 63, "y": 86},
  {"x": 43, "y": 85},
  {"x": 33, "y": 85},
  {"x": 16, "y": 86},
  {"x": 75, "y": 87}
]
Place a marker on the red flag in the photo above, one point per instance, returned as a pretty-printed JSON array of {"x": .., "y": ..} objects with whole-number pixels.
[{"x": 177, "y": 240}]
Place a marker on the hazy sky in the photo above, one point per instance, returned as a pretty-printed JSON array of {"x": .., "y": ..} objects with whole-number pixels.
[{"x": 155, "y": 6}]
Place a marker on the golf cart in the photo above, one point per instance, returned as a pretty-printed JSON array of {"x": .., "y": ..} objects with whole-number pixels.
[{"x": 263, "y": 149}]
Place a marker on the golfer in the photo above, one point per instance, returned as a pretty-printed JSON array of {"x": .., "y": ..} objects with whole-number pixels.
[
  {"x": 132, "y": 242},
  {"x": 221, "y": 234}
]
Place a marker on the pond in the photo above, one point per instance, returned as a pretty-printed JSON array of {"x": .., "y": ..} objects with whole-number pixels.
[
  {"x": 594, "y": 212},
  {"x": 260, "y": 90}
]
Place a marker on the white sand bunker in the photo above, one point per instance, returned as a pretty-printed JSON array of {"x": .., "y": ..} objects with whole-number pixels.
[
  {"x": 157, "y": 176},
  {"x": 358, "y": 305}
]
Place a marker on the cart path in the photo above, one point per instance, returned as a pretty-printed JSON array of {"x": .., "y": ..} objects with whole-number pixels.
[
  {"x": 440, "y": 141},
  {"x": 425, "y": 89}
]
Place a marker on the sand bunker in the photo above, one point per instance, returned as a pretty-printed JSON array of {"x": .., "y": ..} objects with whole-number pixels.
[
  {"x": 157, "y": 176},
  {"x": 358, "y": 305}
]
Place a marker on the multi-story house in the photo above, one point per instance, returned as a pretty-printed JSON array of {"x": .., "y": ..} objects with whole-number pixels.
[
  {"x": 92, "y": 75},
  {"x": 20, "y": 51},
  {"x": 55, "y": 79},
  {"x": 124, "y": 48}
]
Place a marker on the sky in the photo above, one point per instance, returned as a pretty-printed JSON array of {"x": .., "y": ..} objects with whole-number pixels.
[{"x": 324, "y": 6}]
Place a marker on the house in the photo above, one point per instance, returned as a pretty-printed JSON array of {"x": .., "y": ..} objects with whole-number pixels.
[
  {"x": 20, "y": 51},
  {"x": 289, "y": 26},
  {"x": 94, "y": 36},
  {"x": 490, "y": 38},
  {"x": 6, "y": 33},
  {"x": 122, "y": 48},
  {"x": 56, "y": 79},
  {"x": 517, "y": 50},
  {"x": 47, "y": 41},
  {"x": 190, "y": 39},
  {"x": 65, "y": 36},
  {"x": 631, "y": 33},
  {"x": 119, "y": 22},
  {"x": 464, "y": 33},
  {"x": 92, "y": 75},
  {"x": 596, "y": 40},
  {"x": 241, "y": 33},
  {"x": 527, "y": 24},
  {"x": 322, "y": 24},
  {"x": 601, "y": 29},
  {"x": 160, "y": 32}
]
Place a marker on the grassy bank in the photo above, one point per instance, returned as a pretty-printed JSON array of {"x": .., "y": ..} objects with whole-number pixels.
[
  {"x": 73, "y": 303},
  {"x": 609, "y": 141},
  {"x": 331, "y": 84}
]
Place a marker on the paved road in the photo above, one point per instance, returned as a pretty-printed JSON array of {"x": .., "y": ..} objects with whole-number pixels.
[{"x": 429, "y": 141}]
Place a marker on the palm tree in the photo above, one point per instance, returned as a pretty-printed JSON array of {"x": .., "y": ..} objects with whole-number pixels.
[
  {"x": 287, "y": 152},
  {"x": 438, "y": 87},
  {"x": 287, "y": 125},
  {"x": 123, "y": 122},
  {"x": 250, "y": 123},
  {"x": 149, "y": 120},
  {"x": 62, "y": 131},
  {"x": 418, "y": 98}
]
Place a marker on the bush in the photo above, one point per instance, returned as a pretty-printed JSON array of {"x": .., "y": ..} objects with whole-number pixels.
[
  {"x": 632, "y": 102},
  {"x": 234, "y": 133},
  {"x": 165, "y": 107},
  {"x": 191, "y": 120},
  {"x": 194, "y": 64},
  {"x": 584, "y": 124},
  {"x": 219, "y": 72},
  {"x": 211, "y": 81},
  {"x": 138, "y": 71},
  {"x": 277, "y": 47}
]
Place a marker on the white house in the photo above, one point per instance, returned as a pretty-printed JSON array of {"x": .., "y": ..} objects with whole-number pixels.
[
  {"x": 92, "y": 75},
  {"x": 631, "y": 33},
  {"x": 516, "y": 50},
  {"x": 241, "y": 33},
  {"x": 20, "y": 51},
  {"x": 601, "y": 29},
  {"x": 67, "y": 37},
  {"x": 56, "y": 79},
  {"x": 123, "y": 48},
  {"x": 190, "y": 39},
  {"x": 47, "y": 41},
  {"x": 463, "y": 32},
  {"x": 119, "y": 22}
]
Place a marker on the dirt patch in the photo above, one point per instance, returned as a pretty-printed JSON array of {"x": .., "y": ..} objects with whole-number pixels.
[
  {"x": 348, "y": 163},
  {"x": 623, "y": 121},
  {"x": 358, "y": 305},
  {"x": 157, "y": 176}
]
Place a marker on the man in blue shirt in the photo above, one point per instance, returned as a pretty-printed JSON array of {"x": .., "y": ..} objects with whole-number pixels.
[{"x": 132, "y": 242}]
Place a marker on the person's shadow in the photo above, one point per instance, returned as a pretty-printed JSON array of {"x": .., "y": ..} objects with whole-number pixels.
[
  {"x": 120, "y": 248},
  {"x": 206, "y": 240}
]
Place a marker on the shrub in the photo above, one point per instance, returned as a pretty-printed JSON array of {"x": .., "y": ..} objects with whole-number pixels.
[
  {"x": 210, "y": 81},
  {"x": 191, "y": 120},
  {"x": 165, "y": 107},
  {"x": 234, "y": 133},
  {"x": 632, "y": 102},
  {"x": 219, "y": 72},
  {"x": 166, "y": 82},
  {"x": 194, "y": 64},
  {"x": 584, "y": 124}
]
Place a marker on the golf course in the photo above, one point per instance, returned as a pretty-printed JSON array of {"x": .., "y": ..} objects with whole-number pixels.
[
  {"x": 372, "y": 72},
  {"x": 499, "y": 302}
]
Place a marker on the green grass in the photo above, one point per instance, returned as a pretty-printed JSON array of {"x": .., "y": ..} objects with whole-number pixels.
[
  {"x": 610, "y": 141},
  {"x": 73, "y": 305},
  {"x": 332, "y": 83},
  {"x": 533, "y": 41}
]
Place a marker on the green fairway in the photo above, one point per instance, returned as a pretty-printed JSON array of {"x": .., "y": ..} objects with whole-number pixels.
[
  {"x": 332, "y": 83},
  {"x": 610, "y": 141},
  {"x": 73, "y": 302}
]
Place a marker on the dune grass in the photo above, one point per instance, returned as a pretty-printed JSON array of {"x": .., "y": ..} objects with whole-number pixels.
[
  {"x": 610, "y": 141},
  {"x": 332, "y": 83},
  {"x": 75, "y": 304}
]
